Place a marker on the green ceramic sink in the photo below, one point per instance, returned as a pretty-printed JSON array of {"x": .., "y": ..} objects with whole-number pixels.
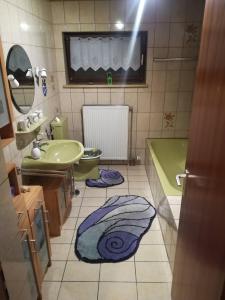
[{"x": 55, "y": 155}]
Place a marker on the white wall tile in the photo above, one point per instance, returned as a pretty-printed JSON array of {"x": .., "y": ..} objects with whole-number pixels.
[
  {"x": 57, "y": 12},
  {"x": 162, "y": 32},
  {"x": 77, "y": 100},
  {"x": 71, "y": 11},
  {"x": 86, "y": 11},
  {"x": 117, "y": 10},
  {"x": 102, "y": 12}
]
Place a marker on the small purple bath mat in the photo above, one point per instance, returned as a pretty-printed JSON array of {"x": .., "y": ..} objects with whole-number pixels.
[
  {"x": 107, "y": 178},
  {"x": 113, "y": 232}
]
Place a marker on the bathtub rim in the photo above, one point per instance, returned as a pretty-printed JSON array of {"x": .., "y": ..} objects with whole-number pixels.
[{"x": 168, "y": 189}]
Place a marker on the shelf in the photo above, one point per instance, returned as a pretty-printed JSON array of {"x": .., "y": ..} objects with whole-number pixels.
[
  {"x": 113, "y": 86},
  {"x": 33, "y": 127},
  {"x": 174, "y": 59}
]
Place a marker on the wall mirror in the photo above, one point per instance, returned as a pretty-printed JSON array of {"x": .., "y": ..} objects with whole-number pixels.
[{"x": 21, "y": 79}]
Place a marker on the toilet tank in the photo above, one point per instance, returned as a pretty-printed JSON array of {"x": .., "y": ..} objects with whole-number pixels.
[{"x": 59, "y": 127}]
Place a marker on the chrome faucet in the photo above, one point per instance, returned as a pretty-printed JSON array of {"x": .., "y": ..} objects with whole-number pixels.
[{"x": 41, "y": 141}]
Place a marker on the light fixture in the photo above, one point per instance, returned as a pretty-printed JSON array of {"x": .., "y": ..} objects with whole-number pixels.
[
  {"x": 43, "y": 73},
  {"x": 13, "y": 82},
  {"x": 29, "y": 73},
  {"x": 24, "y": 26},
  {"x": 119, "y": 25}
]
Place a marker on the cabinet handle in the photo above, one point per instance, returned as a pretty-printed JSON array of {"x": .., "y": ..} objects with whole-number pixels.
[
  {"x": 20, "y": 214},
  {"x": 34, "y": 245}
]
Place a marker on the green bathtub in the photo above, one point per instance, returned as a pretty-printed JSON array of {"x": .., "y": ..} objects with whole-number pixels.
[{"x": 169, "y": 157}]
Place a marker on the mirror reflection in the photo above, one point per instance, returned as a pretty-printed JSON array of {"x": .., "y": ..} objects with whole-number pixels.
[{"x": 21, "y": 79}]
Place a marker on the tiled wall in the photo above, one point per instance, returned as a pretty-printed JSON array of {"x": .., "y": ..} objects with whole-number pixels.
[
  {"x": 29, "y": 24},
  {"x": 162, "y": 109}
]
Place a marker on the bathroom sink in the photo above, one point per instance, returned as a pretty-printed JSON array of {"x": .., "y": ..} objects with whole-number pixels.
[{"x": 55, "y": 155}]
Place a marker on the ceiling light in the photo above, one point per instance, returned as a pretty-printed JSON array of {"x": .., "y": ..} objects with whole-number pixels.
[{"x": 119, "y": 25}]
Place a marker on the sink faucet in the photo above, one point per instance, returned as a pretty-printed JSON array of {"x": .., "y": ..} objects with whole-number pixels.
[{"x": 41, "y": 141}]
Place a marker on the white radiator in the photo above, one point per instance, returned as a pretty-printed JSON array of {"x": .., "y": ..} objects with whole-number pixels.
[{"x": 106, "y": 128}]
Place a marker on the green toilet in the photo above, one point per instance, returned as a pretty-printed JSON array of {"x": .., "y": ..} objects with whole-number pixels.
[{"x": 88, "y": 164}]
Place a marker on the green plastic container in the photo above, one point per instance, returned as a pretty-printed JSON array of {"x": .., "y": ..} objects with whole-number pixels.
[
  {"x": 88, "y": 165},
  {"x": 59, "y": 128}
]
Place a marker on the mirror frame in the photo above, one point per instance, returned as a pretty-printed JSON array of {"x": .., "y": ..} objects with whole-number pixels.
[{"x": 13, "y": 99}]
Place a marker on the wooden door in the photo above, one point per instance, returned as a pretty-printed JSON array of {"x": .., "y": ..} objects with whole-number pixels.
[{"x": 199, "y": 271}]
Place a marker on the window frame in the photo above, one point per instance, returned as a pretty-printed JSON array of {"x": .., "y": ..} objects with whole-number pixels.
[{"x": 82, "y": 77}]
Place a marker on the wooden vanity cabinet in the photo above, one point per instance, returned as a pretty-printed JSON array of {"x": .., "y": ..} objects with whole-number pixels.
[
  {"x": 38, "y": 221},
  {"x": 33, "y": 220},
  {"x": 58, "y": 200}
]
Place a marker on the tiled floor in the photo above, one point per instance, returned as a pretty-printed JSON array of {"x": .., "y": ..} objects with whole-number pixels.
[{"x": 145, "y": 276}]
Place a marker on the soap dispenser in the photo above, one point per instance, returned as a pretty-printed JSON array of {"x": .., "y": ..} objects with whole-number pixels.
[{"x": 36, "y": 152}]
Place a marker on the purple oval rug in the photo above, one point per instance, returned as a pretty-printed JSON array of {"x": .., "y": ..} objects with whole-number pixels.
[
  {"x": 113, "y": 232},
  {"x": 107, "y": 178}
]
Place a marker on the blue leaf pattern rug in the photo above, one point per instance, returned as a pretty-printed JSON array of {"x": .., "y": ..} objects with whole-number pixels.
[
  {"x": 107, "y": 178},
  {"x": 113, "y": 232}
]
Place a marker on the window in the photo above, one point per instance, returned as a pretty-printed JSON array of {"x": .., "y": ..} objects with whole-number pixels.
[{"x": 94, "y": 58}]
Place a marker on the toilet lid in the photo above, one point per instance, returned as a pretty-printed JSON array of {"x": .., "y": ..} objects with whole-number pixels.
[{"x": 90, "y": 153}]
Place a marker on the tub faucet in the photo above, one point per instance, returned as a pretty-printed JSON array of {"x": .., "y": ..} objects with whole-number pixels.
[{"x": 183, "y": 175}]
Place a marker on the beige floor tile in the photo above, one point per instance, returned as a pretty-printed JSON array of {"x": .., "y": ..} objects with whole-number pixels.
[
  {"x": 50, "y": 290},
  {"x": 70, "y": 223},
  {"x": 74, "y": 212},
  {"x": 60, "y": 251},
  {"x": 123, "y": 185},
  {"x": 81, "y": 271},
  {"x": 55, "y": 272},
  {"x": 118, "y": 167},
  {"x": 153, "y": 272},
  {"x": 137, "y": 178},
  {"x": 72, "y": 255},
  {"x": 174, "y": 200},
  {"x": 136, "y": 168},
  {"x": 95, "y": 192},
  {"x": 136, "y": 172},
  {"x": 151, "y": 253},
  {"x": 176, "y": 211},
  {"x": 157, "y": 291},
  {"x": 139, "y": 185},
  {"x": 80, "y": 184},
  {"x": 116, "y": 192},
  {"x": 117, "y": 291},
  {"x": 76, "y": 201},
  {"x": 97, "y": 202},
  {"x": 65, "y": 237},
  {"x": 155, "y": 224},
  {"x": 152, "y": 237},
  {"x": 86, "y": 211},
  {"x": 78, "y": 291},
  {"x": 103, "y": 167},
  {"x": 146, "y": 193},
  {"x": 123, "y": 271}
]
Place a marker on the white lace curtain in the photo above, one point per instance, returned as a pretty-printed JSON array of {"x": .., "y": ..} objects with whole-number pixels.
[{"x": 105, "y": 53}]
